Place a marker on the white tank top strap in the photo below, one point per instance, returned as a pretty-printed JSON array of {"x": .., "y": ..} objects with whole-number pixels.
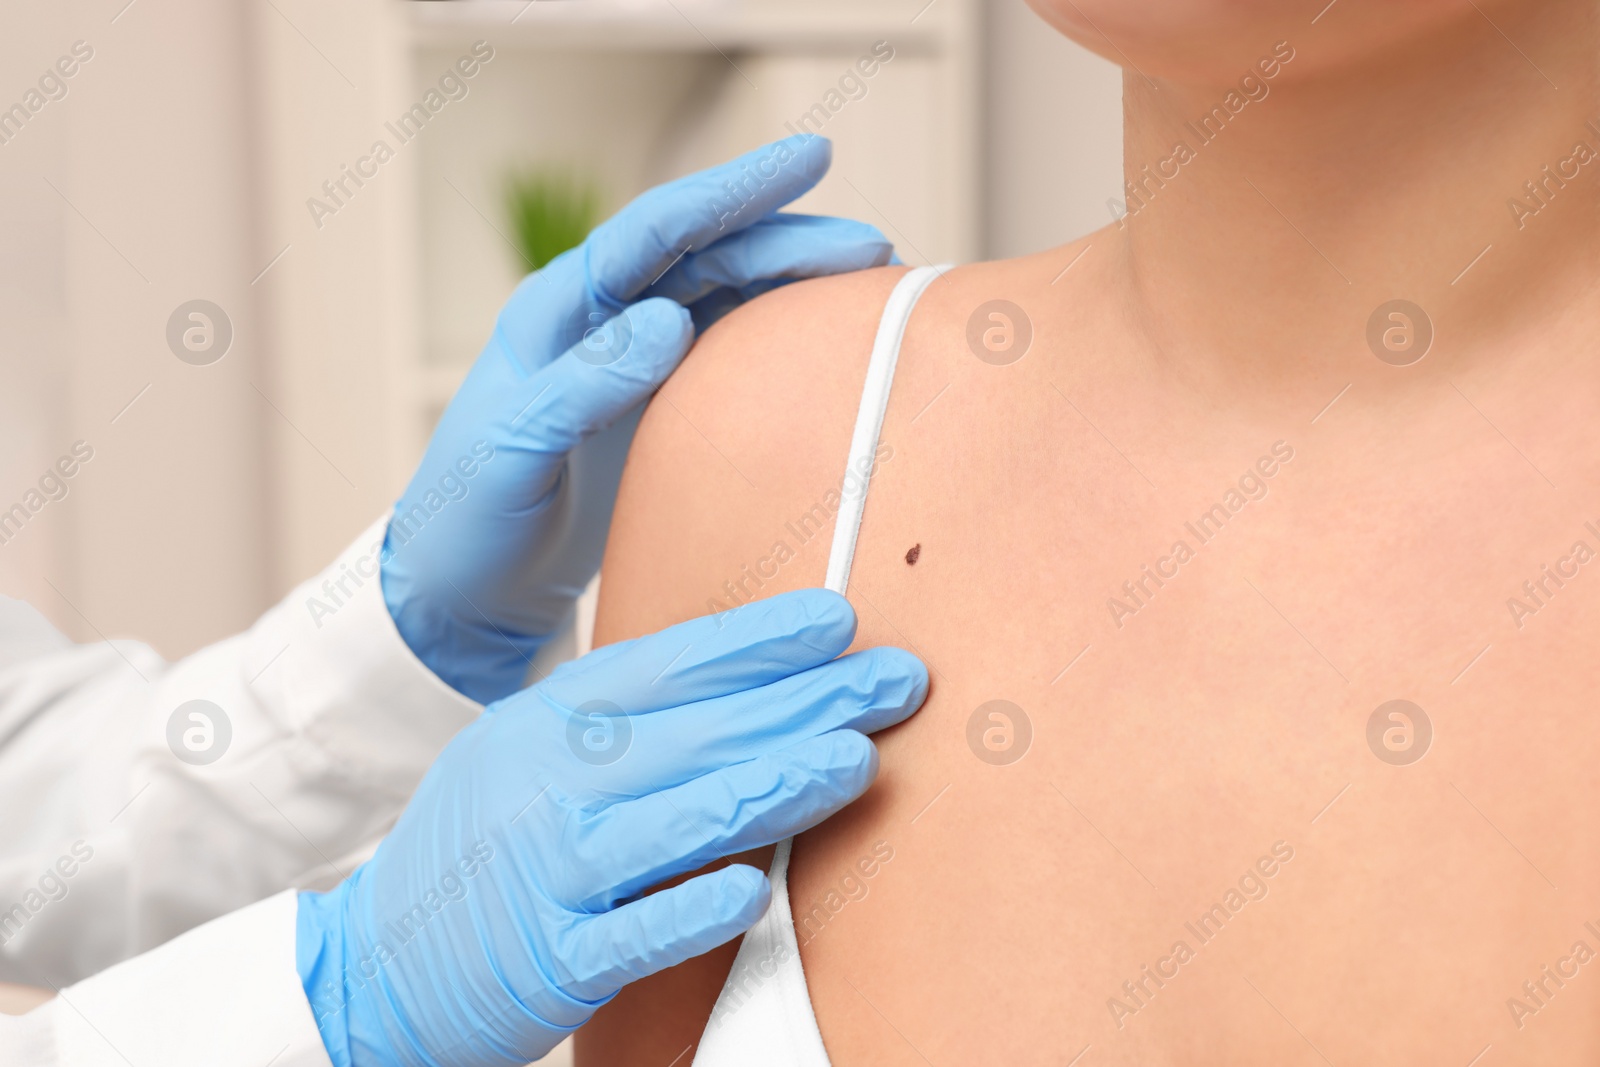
[
  {"x": 869, "y": 420},
  {"x": 764, "y": 1012}
]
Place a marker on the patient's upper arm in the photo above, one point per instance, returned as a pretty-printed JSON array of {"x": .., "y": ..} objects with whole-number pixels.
[{"x": 718, "y": 505}]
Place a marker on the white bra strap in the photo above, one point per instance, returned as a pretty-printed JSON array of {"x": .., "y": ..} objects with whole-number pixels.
[
  {"x": 777, "y": 1018},
  {"x": 869, "y": 421}
]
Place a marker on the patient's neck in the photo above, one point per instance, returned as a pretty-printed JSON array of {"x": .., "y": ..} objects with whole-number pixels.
[{"x": 1441, "y": 172}]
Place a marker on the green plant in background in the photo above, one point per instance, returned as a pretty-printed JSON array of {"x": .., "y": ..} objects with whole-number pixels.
[{"x": 551, "y": 211}]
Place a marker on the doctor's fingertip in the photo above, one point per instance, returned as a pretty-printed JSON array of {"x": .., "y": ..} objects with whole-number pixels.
[
  {"x": 819, "y": 619},
  {"x": 661, "y": 322},
  {"x": 900, "y": 679},
  {"x": 741, "y": 893},
  {"x": 815, "y": 145}
]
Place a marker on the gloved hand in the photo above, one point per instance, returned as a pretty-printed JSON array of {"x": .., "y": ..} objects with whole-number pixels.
[
  {"x": 500, "y": 913},
  {"x": 505, "y": 521}
]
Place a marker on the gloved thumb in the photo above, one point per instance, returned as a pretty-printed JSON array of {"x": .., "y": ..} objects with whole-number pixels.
[
  {"x": 662, "y": 930},
  {"x": 616, "y": 365}
]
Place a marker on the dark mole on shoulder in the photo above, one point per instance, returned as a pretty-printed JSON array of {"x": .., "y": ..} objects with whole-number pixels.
[{"x": 913, "y": 552}]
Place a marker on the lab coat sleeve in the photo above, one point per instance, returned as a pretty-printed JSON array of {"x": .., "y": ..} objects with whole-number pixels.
[
  {"x": 225, "y": 994},
  {"x": 128, "y": 820}
]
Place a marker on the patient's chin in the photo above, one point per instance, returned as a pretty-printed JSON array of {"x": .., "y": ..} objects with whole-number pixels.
[{"x": 1208, "y": 41}]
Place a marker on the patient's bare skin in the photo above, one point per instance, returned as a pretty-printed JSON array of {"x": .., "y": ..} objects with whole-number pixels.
[{"x": 1357, "y": 529}]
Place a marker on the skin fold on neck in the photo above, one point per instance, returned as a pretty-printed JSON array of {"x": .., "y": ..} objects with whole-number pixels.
[{"x": 1256, "y": 252}]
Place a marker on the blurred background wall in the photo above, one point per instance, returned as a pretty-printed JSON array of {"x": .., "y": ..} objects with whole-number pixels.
[{"x": 184, "y": 160}]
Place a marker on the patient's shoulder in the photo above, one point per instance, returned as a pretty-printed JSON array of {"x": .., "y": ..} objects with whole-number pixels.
[
  {"x": 752, "y": 429},
  {"x": 813, "y": 314},
  {"x": 770, "y": 381},
  {"x": 752, "y": 433}
]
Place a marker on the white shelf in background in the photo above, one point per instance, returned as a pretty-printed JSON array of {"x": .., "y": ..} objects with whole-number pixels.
[{"x": 683, "y": 25}]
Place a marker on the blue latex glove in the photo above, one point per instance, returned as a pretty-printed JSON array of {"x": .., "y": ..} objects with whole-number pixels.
[
  {"x": 505, "y": 521},
  {"x": 500, "y": 912}
]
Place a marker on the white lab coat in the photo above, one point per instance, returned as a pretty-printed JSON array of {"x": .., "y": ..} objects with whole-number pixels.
[{"x": 111, "y": 847}]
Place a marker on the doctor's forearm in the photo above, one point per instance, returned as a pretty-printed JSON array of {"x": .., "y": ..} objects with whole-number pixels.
[
  {"x": 223, "y": 995},
  {"x": 313, "y": 728}
]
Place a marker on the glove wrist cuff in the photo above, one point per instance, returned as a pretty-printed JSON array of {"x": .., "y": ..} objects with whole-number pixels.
[{"x": 319, "y": 953}]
